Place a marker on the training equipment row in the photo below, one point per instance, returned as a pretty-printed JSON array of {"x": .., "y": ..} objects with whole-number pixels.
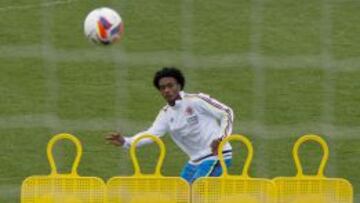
[{"x": 156, "y": 188}]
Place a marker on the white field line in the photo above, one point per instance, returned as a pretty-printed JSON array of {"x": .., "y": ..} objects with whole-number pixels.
[
  {"x": 34, "y": 6},
  {"x": 48, "y": 120},
  {"x": 121, "y": 72},
  {"x": 120, "y": 60},
  {"x": 255, "y": 60},
  {"x": 10, "y": 179},
  {"x": 50, "y": 65},
  {"x": 187, "y": 58},
  {"x": 329, "y": 74},
  {"x": 297, "y": 130},
  {"x": 258, "y": 108},
  {"x": 100, "y": 124},
  {"x": 327, "y": 64},
  {"x": 50, "y": 70},
  {"x": 163, "y": 57},
  {"x": 9, "y": 190},
  {"x": 341, "y": 1}
]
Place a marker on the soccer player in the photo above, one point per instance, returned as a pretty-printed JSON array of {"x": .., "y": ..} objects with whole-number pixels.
[{"x": 196, "y": 122}]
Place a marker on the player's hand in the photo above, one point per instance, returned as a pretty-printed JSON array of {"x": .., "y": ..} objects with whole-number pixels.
[
  {"x": 115, "y": 138},
  {"x": 215, "y": 145}
]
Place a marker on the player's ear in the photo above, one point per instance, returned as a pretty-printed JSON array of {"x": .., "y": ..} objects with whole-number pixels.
[{"x": 178, "y": 86}]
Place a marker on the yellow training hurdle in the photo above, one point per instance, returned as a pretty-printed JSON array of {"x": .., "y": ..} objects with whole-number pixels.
[
  {"x": 156, "y": 188},
  {"x": 313, "y": 189},
  {"x": 63, "y": 188},
  {"x": 234, "y": 189},
  {"x": 148, "y": 188}
]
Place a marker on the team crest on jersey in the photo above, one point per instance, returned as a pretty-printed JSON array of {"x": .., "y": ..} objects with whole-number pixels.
[
  {"x": 189, "y": 111},
  {"x": 191, "y": 117}
]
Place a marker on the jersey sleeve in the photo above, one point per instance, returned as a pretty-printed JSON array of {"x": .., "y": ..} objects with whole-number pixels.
[
  {"x": 158, "y": 128},
  {"x": 212, "y": 107}
]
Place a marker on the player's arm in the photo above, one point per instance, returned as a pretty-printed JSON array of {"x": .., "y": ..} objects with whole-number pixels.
[
  {"x": 224, "y": 114},
  {"x": 158, "y": 128}
]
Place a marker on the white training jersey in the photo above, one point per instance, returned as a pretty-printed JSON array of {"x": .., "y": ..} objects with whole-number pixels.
[{"x": 193, "y": 123}]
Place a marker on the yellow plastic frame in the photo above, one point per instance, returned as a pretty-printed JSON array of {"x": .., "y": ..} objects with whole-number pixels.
[
  {"x": 63, "y": 188},
  {"x": 234, "y": 188},
  {"x": 312, "y": 188},
  {"x": 148, "y": 188}
]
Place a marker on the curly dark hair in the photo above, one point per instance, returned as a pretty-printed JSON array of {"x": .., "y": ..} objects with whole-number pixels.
[{"x": 169, "y": 72}]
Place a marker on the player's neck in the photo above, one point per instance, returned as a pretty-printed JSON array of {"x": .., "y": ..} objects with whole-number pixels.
[{"x": 173, "y": 102}]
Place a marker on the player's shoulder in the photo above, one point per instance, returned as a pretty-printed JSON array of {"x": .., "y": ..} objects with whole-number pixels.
[
  {"x": 164, "y": 109},
  {"x": 196, "y": 96}
]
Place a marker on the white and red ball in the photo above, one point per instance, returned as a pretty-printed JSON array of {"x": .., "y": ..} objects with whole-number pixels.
[{"x": 103, "y": 26}]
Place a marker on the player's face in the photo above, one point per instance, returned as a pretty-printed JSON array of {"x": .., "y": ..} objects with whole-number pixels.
[{"x": 169, "y": 89}]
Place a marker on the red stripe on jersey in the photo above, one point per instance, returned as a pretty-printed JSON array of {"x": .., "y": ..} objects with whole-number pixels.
[{"x": 221, "y": 107}]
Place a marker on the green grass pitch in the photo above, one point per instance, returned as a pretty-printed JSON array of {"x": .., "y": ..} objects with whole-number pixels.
[{"x": 287, "y": 68}]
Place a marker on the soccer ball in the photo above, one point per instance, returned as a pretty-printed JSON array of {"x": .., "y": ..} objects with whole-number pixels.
[{"x": 103, "y": 26}]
